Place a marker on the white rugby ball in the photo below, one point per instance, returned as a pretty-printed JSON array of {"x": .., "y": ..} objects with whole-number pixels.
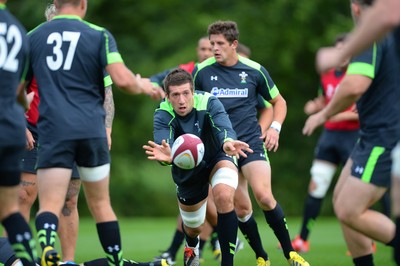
[{"x": 187, "y": 151}]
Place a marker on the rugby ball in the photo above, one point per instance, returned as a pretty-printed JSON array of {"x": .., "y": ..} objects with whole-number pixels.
[{"x": 187, "y": 151}]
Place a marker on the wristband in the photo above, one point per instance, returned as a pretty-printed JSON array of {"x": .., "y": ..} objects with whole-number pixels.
[{"x": 276, "y": 125}]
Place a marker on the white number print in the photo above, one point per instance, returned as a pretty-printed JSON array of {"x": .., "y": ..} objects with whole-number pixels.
[
  {"x": 8, "y": 59},
  {"x": 55, "y": 61}
]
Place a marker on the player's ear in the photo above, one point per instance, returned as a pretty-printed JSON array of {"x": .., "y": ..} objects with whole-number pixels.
[{"x": 235, "y": 44}]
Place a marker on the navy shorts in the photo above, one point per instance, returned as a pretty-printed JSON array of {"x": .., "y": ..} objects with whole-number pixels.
[
  {"x": 260, "y": 153},
  {"x": 10, "y": 173},
  {"x": 64, "y": 153},
  {"x": 7, "y": 255},
  {"x": 197, "y": 189},
  {"x": 372, "y": 164},
  {"x": 335, "y": 146},
  {"x": 29, "y": 158}
]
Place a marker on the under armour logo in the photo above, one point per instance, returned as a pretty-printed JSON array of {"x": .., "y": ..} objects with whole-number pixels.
[
  {"x": 214, "y": 77},
  {"x": 111, "y": 249},
  {"x": 359, "y": 170}
]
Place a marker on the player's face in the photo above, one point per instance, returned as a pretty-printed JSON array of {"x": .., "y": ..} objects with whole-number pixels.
[
  {"x": 181, "y": 98},
  {"x": 224, "y": 52},
  {"x": 204, "y": 50}
]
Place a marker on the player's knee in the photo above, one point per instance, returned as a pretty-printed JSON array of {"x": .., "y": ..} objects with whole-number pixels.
[
  {"x": 321, "y": 178},
  {"x": 345, "y": 215},
  {"x": 266, "y": 201},
  {"x": 194, "y": 219},
  {"x": 26, "y": 198}
]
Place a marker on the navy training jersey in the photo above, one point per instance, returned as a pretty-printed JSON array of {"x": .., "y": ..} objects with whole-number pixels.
[
  {"x": 379, "y": 106},
  {"x": 208, "y": 120},
  {"x": 68, "y": 58},
  {"x": 237, "y": 87},
  {"x": 13, "y": 61}
]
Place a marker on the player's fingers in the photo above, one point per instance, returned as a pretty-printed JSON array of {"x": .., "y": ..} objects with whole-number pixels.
[{"x": 242, "y": 154}]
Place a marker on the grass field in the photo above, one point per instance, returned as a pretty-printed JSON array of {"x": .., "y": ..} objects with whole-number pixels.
[{"x": 142, "y": 238}]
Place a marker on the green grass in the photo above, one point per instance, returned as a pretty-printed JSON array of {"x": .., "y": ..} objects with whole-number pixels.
[{"x": 142, "y": 238}]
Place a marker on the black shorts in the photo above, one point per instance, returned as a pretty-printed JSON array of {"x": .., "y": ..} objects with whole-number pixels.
[
  {"x": 29, "y": 158},
  {"x": 335, "y": 146},
  {"x": 10, "y": 173},
  {"x": 6, "y": 252},
  {"x": 260, "y": 153},
  {"x": 372, "y": 164},
  {"x": 196, "y": 189},
  {"x": 63, "y": 154}
]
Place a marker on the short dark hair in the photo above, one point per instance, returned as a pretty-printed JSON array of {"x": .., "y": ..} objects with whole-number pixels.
[
  {"x": 227, "y": 28},
  {"x": 176, "y": 77},
  {"x": 363, "y": 2},
  {"x": 70, "y": 2}
]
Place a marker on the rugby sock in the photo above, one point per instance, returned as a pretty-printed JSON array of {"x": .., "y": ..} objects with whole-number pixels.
[
  {"x": 46, "y": 227},
  {"x": 249, "y": 230},
  {"x": 177, "y": 241},
  {"x": 110, "y": 240},
  {"x": 366, "y": 260},
  {"x": 277, "y": 221},
  {"x": 227, "y": 234},
  {"x": 397, "y": 242},
  {"x": 191, "y": 242},
  {"x": 312, "y": 209},
  {"x": 20, "y": 238}
]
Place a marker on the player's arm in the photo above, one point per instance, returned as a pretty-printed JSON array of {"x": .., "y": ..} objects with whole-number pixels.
[
  {"x": 350, "y": 90},
  {"x": 375, "y": 23},
  {"x": 349, "y": 115}
]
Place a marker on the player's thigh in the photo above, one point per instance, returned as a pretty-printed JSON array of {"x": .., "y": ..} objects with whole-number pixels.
[
  {"x": 344, "y": 175},
  {"x": 258, "y": 174},
  {"x": 395, "y": 193},
  {"x": 243, "y": 204}
]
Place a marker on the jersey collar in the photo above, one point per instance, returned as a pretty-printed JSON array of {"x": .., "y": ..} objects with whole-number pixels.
[{"x": 67, "y": 17}]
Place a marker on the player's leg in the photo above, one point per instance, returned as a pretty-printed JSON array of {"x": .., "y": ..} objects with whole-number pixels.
[
  {"x": 52, "y": 188},
  {"x": 93, "y": 160},
  {"x": 322, "y": 173},
  {"x": 210, "y": 228},
  {"x": 247, "y": 223},
  {"x": 69, "y": 220},
  {"x": 224, "y": 181},
  {"x": 193, "y": 217},
  {"x": 27, "y": 193},
  {"x": 352, "y": 199},
  {"x": 258, "y": 173},
  {"x": 395, "y": 193}
]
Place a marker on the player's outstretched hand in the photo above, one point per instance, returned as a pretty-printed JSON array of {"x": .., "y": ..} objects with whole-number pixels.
[
  {"x": 161, "y": 153},
  {"x": 236, "y": 148},
  {"x": 327, "y": 58},
  {"x": 313, "y": 122}
]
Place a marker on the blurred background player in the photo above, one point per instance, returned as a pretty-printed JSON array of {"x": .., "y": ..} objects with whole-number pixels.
[
  {"x": 337, "y": 140},
  {"x": 14, "y": 59},
  {"x": 372, "y": 80},
  {"x": 376, "y": 22}
]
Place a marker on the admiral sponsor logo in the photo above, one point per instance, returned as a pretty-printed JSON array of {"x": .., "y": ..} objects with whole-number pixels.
[{"x": 229, "y": 93}]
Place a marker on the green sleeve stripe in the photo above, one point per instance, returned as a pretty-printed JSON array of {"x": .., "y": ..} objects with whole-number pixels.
[
  {"x": 107, "y": 81},
  {"x": 274, "y": 92},
  {"x": 2, "y": 6},
  {"x": 155, "y": 84},
  {"x": 228, "y": 139},
  {"x": 267, "y": 104},
  {"x": 249, "y": 62},
  {"x": 361, "y": 69},
  {"x": 371, "y": 163},
  {"x": 114, "y": 58}
]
